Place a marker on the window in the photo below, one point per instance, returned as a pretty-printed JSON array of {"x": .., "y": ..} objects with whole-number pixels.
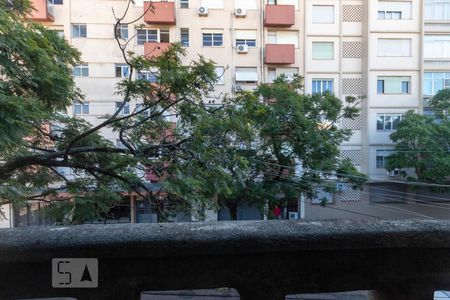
[
  {"x": 247, "y": 4},
  {"x": 125, "y": 110},
  {"x": 393, "y": 85},
  {"x": 388, "y": 122},
  {"x": 220, "y": 73},
  {"x": 185, "y": 37},
  {"x": 213, "y": 39},
  {"x": 434, "y": 82},
  {"x": 382, "y": 156},
  {"x": 394, "y": 47},
  {"x": 320, "y": 86},
  {"x": 139, "y": 107},
  {"x": 164, "y": 36},
  {"x": 148, "y": 76},
  {"x": 122, "y": 31},
  {"x": 214, "y": 4},
  {"x": 322, "y": 50},
  {"x": 81, "y": 70},
  {"x": 56, "y": 2},
  {"x": 323, "y": 14},
  {"x": 273, "y": 2},
  {"x": 184, "y": 3},
  {"x": 437, "y": 10},
  {"x": 79, "y": 30},
  {"x": 250, "y": 43},
  {"x": 246, "y": 75},
  {"x": 390, "y": 10},
  {"x": 147, "y": 35},
  {"x": 437, "y": 46},
  {"x": 59, "y": 32},
  {"x": 81, "y": 108},
  {"x": 120, "y": 145},
  {"x": 122, "y": 70},
  {"x": 271, "y": 37},
  {"x": 271, "y": 74}
]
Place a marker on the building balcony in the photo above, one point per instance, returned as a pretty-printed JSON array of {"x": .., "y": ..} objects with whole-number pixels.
[
  {"x": 43, "y": 11},
  {"x": 161, "y": 13},
  {"x": 154, "y": 49},
  {"x": 279, "y": 15},
  {"x": 280, "y": 54}
]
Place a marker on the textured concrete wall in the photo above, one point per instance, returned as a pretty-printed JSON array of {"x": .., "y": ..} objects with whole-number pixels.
[{"x": 261, "y": 259}]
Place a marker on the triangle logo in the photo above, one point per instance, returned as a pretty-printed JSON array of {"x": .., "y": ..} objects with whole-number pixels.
[{"x": 86, "y": 275}]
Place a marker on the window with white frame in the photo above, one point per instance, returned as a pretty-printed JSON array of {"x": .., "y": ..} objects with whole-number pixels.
[
  {"x": 271, "y": 74},
  {"x": 323, "y": 14},
  {"x": 214, "y": 4},
  {"x": 146, "y": 36},
  {"x": 79, "y": 30},
  {"x": 323, "y": 50},
  {"x": 249, "y": 42},
  {"x": 164, "y": 35},
  {"x": 388, "y": 122},
  {"x": 394, "y": 47},
  {"x": 437, "y": 10},
  {"x": 220, "y": 73},
  {"x": 390, "y": 10},
  {"x": 184, "y": 33},
  {"x": 125, "y": 110},
  {"x": 320, "y": 86},
  {"x": 184, "y": 3},
  {"x": 213, "y": 39},
  {"x": 246, "y": 75},
  {"x": 56, "y": 2},
  {"x": 393, "y": 84},
  {"x": 81, "y": 108},
  {"x": 287, "y": 72},
  {"x": 81, "y": 70},
  {"x": 141, "y": 107},
  {"x": 437, "y": 46},
  {"x": 122, "y": 31},
  {"x": 382, "y": 157},
  {"x": 122, "y": 70},
  {"x": 246, "y": 4},
  {"x": 149, "y": 76},
  {"x": 433, "y": 82}
]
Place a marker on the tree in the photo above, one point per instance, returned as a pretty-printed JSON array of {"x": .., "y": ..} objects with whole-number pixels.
[
  {"x": 37, "y": 140},
  {"x": 243, "y": 150},
  {"x": 423, "y": 143},
  {"x": 274, "y": 144}
]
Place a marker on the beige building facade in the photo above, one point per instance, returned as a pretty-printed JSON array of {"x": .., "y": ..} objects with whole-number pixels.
[{"x": 395, "y": 54}]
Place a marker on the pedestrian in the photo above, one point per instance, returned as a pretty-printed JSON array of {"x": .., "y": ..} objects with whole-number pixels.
[{"x": 277, "y": 212}]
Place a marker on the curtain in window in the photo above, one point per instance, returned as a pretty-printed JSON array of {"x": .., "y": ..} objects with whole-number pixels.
[{"x": 323, "y": 50}]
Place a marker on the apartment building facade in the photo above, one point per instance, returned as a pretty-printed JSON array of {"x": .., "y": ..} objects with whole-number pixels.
[{"x": 396, "y": 54}]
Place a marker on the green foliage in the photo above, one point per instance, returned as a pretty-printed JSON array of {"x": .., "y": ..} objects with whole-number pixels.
[
  {"x": 246, "y": 150},
  {"x": 422, "y": 144}
]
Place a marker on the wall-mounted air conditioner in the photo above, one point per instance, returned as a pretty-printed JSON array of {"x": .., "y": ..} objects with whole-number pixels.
[
  {"x": 237, "y": 88},
  {"x": 242, "y": 48},
  {"x": 293, "y": 215},
  {"x": 240, "y": 12},
  {"x": 202, "y": 11}
]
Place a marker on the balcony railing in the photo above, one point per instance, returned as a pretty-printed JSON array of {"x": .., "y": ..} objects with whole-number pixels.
[
  {"x": 279, "y": 15},
  {"x": 160, "y": 13},
  {"x": 280, "y": 54},
  {"x": 260, "y": 259},
  {"x": 43, "y": 11}
]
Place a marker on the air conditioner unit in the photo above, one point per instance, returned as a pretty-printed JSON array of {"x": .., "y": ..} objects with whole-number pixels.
[
  {"x": 393, "y": 173},
  {"x": 202, "y": 11},
  {"x": 237, "y": 88},
  {"x": 240, "y": 12},
  {"x": 242, "y": 48},
  {"x": 293, "y": 215}
]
